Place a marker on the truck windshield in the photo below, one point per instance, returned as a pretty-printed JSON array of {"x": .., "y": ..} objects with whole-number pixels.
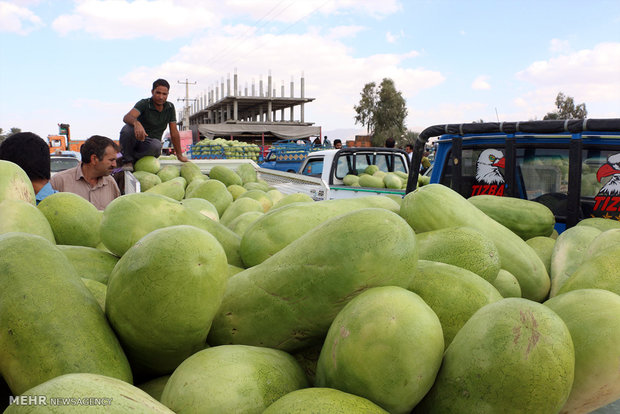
[{"x": 385, "y": 162}]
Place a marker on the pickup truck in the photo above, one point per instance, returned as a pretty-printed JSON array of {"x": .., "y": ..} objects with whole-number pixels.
[
  {"x": 333, "y": 165},
  {"x": 286, "y": 183},
  {"x": 321, "y": 173},
  {"x": 288, "y": 155},
  {"x": 571, "y": 166}
]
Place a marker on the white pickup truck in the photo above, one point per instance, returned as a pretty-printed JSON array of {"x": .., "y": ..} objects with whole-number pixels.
[
  {"x": 320, "y": 175},
  {"x": 286, "y": 183},
  {"x": 331, "y": 166}
]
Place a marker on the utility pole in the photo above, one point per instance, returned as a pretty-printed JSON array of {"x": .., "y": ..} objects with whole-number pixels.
[{"x": 186, "y": 108}]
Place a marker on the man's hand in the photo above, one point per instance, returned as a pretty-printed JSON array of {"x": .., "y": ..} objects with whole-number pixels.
[
  {"x": 182, "y": 158},
  {"x": 139, "y": 131}
]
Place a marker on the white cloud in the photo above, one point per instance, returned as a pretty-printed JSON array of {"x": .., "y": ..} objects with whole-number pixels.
[
  {"x": 294, "y": 10},
  {"x": 332, "y": 74},
  {"x": 17, "y": 19},
  {"x": 168, "y": 19},
  {"x": 340, "y": 32},
  {"x": 392, "y": 38},
  {"x": 589, "y": 75},
  {"x": 121, "y": 19},
  {"x": 559, "y": 46},
  {"x": 481, "y": 83}
]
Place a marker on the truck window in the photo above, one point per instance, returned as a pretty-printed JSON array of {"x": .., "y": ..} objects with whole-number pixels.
[
  {"x": 600, "y": 183},
  {"x": 482, "y": 171},
  {"x": 543, "y": 170},
  {"x": 344, "y": 166},
  {"x": 313, "y": 167}
]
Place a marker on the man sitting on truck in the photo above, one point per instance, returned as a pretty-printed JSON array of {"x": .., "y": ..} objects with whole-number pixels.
[
  {"x": 32, "y": 154},
  {"x": 91, "y": 179},
  {"x": 144, "y": 125}
]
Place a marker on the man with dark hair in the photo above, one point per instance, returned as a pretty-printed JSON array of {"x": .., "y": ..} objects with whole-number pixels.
[
  {"x": 337, "y": 144},
  {"x": 409, "y": 151},
  {"x": 32, "y": 154},
  {"x": 145, "y": 125},
  {"x": 390, "y": 143},
  {"x": 91, "y": 179}
]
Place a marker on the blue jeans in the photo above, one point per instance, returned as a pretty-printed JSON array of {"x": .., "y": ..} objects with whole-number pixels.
[{"x": 133, "y": 149}]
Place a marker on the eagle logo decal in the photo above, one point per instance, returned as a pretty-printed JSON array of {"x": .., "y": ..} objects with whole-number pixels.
[
  {"x": 488, "y": 175},
  {"x": 607, "y": 201}
]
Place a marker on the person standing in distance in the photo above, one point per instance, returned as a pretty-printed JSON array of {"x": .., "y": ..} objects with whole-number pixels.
[
  {"x": 145, "y": 124},
  {"x": 91, "y": 179},
  {"x": 409, "y": 151}
]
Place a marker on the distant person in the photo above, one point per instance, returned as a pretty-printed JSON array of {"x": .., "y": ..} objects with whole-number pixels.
[
  {"x": 145, "y": 125},
  {"x": 91, "y": 179},
  {"x": 326, "y": 141},
  {"x": 32, "y": 154},
  {"x": 409, "y": 151},
  {"x": 316, "y": 142},
  {"x": 425, "y": 164},
  {"x": 390, "y": 143},
  {"x": 337, "y": 144}
]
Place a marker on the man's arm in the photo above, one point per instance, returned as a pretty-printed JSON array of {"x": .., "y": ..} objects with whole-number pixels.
[
  {"x": 175, "y": 137},
  {"x": 131, "y": 118}
]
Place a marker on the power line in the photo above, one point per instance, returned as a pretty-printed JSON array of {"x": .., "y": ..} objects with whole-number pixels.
[
  {"x": 257, "y": 48},
  {"x": 224, "y": 51}
]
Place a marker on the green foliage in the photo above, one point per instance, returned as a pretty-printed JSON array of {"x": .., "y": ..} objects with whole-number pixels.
[
  {"x": 566, "y": 109},
  {"x": 382, "y": 110},
  {"x": 366, "y": 108},
  {"x": 409, "y": 137},
  {"x": 4, "y": 136}
]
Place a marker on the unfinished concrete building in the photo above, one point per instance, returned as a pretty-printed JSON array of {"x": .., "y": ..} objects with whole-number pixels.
[{"x": 256, "y": 114}]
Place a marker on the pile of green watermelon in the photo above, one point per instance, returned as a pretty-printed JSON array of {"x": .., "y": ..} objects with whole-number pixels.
[
  {"x": 225, "y": 148},
  {"x": 220, "y": 294},
  {"x": 373, "y": 177}
]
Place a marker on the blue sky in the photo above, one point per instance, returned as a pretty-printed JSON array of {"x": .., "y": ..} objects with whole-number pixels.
[{"x": 87, "y": 62}]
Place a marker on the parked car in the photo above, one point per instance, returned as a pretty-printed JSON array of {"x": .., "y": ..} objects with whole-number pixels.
[{"x": 63, "y": 162}]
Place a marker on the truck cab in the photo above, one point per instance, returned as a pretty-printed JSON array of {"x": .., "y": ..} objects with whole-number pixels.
[
  {"x": 333, "y": 165},
  {"x": 572, "y": 166}
]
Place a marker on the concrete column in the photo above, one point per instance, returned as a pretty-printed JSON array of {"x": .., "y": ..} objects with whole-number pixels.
[
  {"x": 292, "y": 96},
  {"x": 269, "y": 84},
  {"x": 269, "y": 111},
  {"x": 301, "y": 107},
  {"x": 235, "y": 92},
  {"x": 235, "y": 110}
]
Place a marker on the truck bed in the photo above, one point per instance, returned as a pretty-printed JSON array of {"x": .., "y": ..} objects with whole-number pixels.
[{"x": 286, "y": 183}]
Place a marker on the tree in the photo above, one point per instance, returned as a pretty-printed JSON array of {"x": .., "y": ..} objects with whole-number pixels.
[
  {"x": 566, "y": 109},
  {"x": 4, "y": 136},
  {"x": 382, "y": 110},
  {"x": 366, "y": 108},
  {"x": 409, "y": 137}
]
